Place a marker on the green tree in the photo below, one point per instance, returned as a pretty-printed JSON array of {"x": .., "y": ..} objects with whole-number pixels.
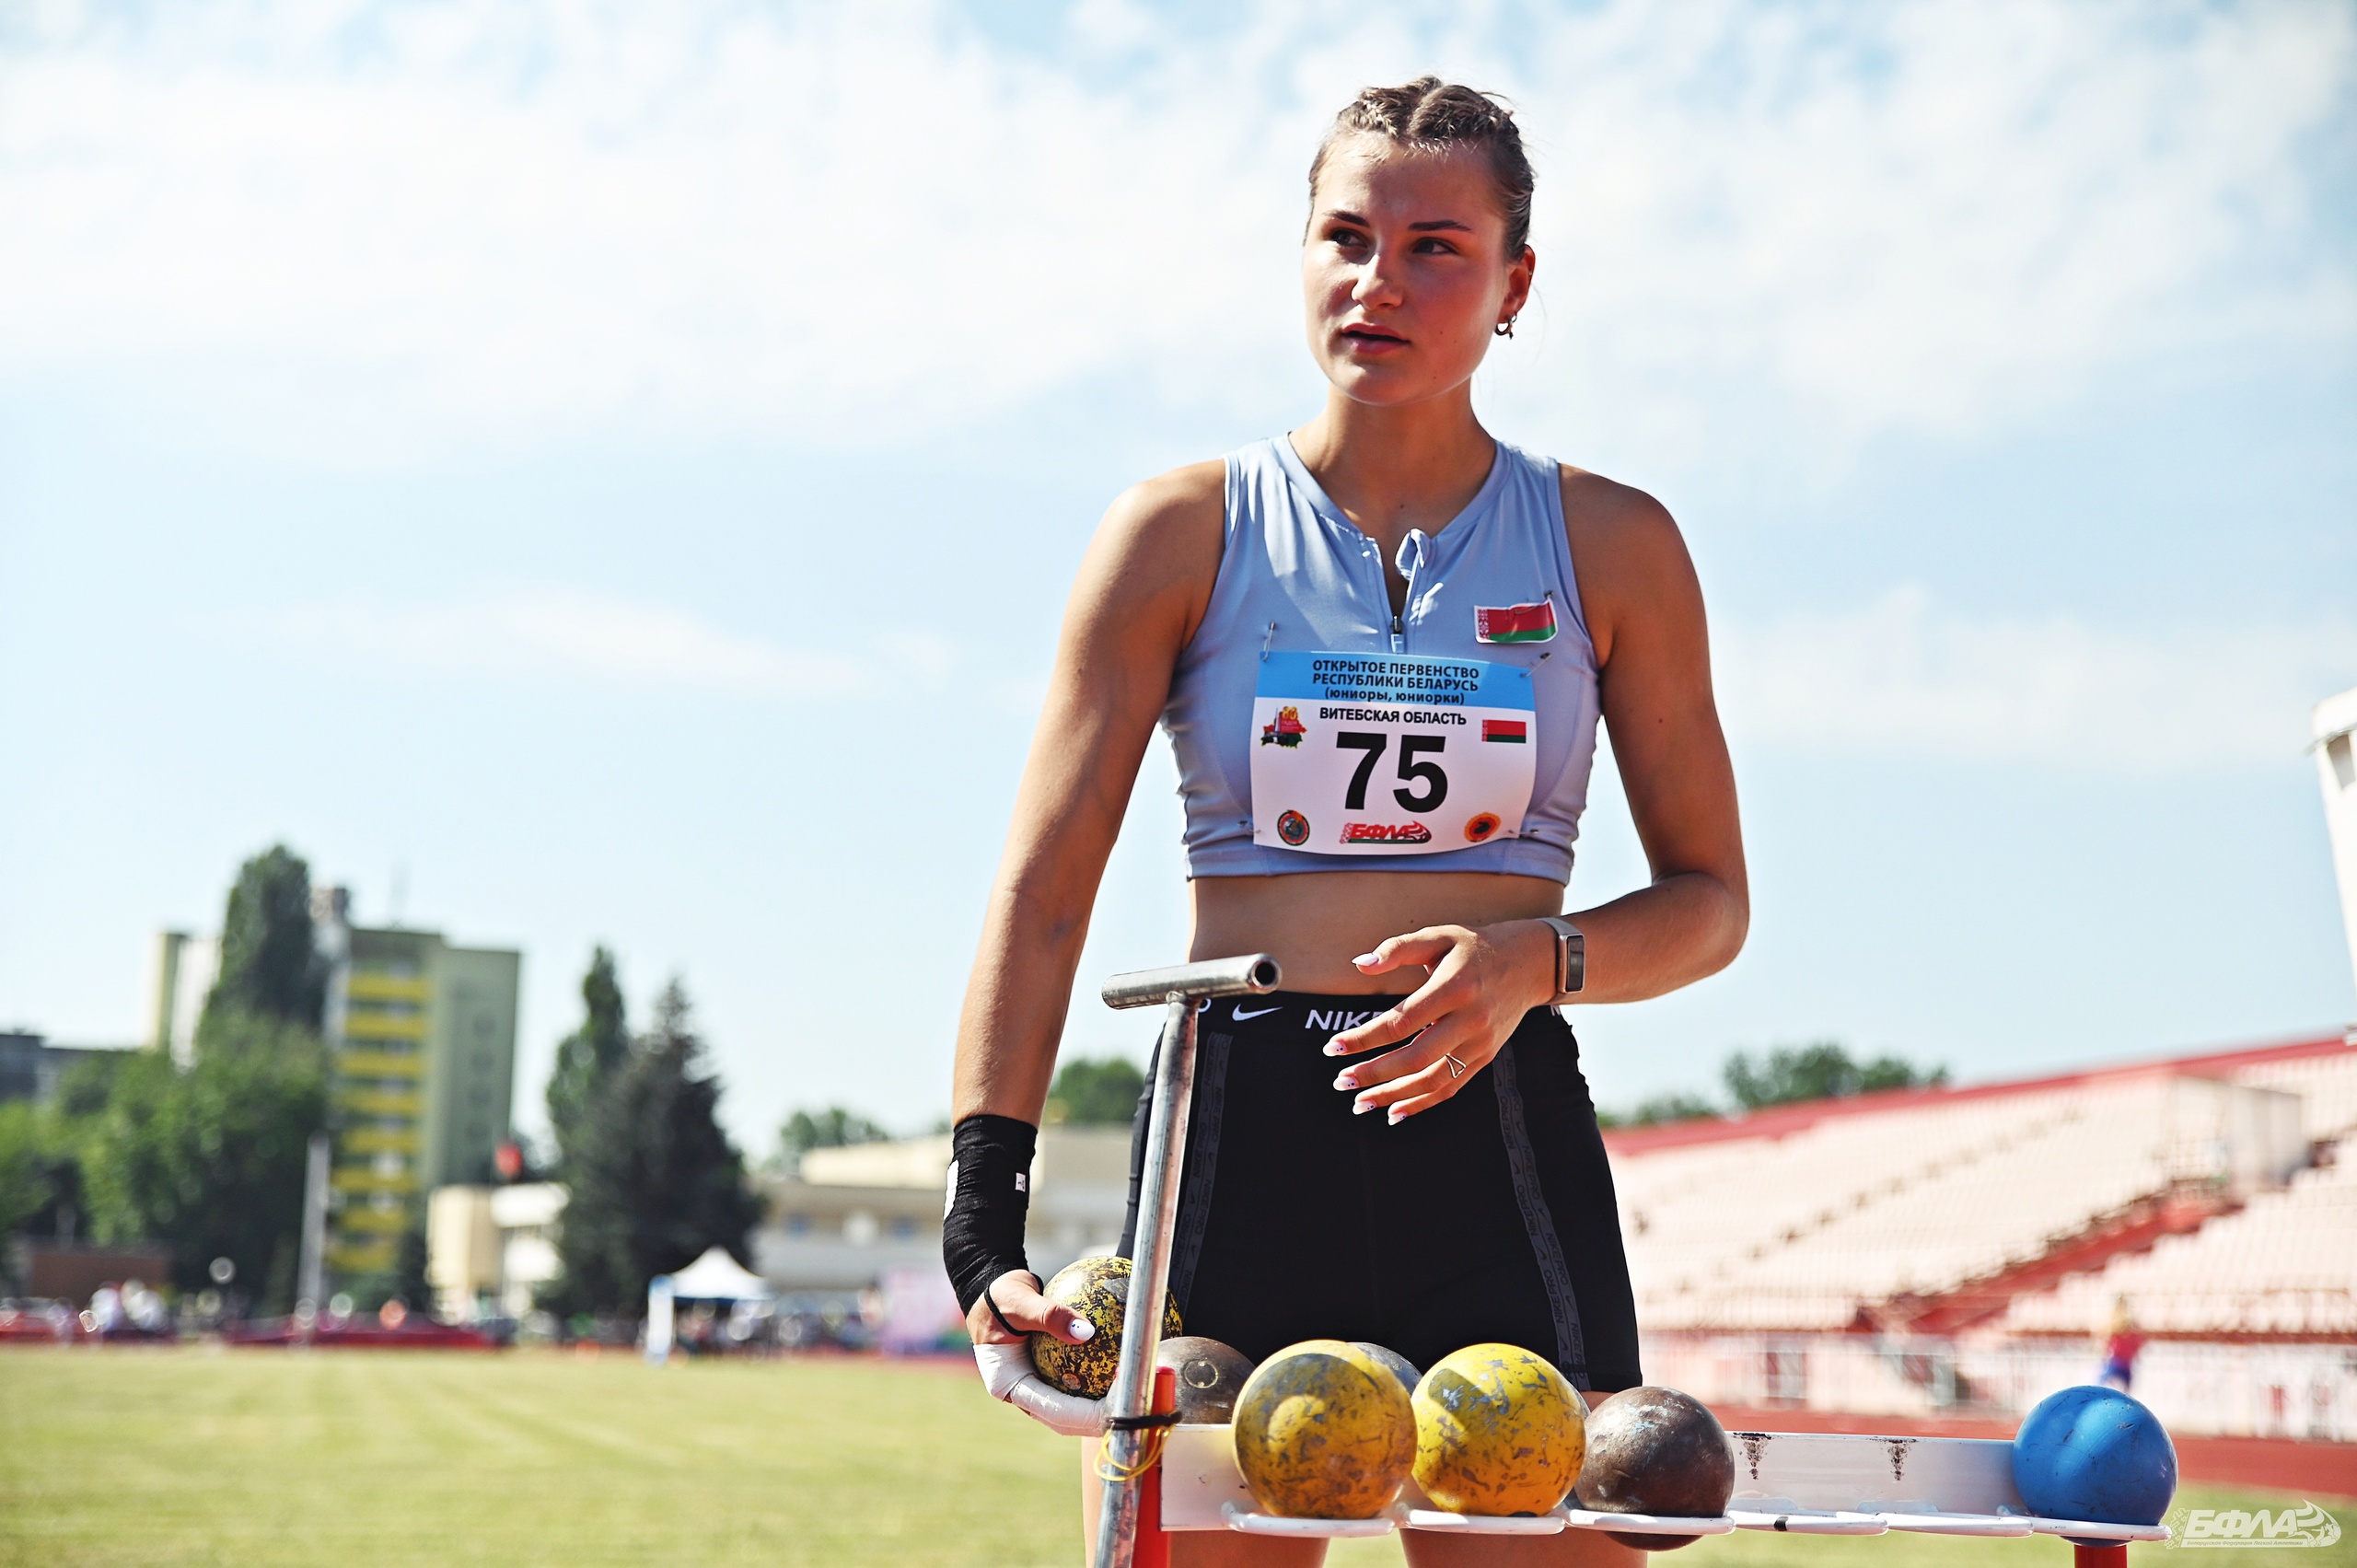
[
  {"x": 655, "y": 1180},
  {"x": 1820, "y": 1069},
  {"x": 209, "y": 1160},
  {"x": 28, "y": 1185},
  {"x": 408, "y": 1279},
  {"x": 1090, "y": 1093},
  {"x": 83, "y": 1087},
  {"x": 41, "y": 1151},
  {"x": 588, "y": 1057},
  {"x": 270, "y": 965},
  {"x": 832, "y": 1128}
]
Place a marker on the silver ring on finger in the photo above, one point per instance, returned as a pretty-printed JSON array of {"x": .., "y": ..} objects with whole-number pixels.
[{"x": 1455, "y": 1068}]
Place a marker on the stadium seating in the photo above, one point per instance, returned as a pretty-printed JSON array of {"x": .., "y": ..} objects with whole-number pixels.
[
  {"x": 1865, "y": 1211},
  {"x": 2326, "y": 1085},
  {"x": 2285, "y": 1264}
]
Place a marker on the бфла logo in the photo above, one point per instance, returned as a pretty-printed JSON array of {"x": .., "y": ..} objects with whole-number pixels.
[{"x": 2290, "y": 1526}]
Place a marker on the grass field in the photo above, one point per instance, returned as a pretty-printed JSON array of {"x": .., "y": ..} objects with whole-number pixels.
[{"x": 260, "y": 1458}]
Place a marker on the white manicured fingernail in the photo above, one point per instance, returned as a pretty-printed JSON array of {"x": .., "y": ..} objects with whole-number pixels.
[
  {"x": 1360, "y": 1108},
  {"x": 1083, "y": 1329},
  {"x": 1398, "y": 1116},
  {"x": 1346, "y": 1082},
  {"x": 1366, "y": 958}
]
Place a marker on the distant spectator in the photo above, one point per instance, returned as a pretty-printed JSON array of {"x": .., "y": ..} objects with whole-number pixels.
[
  {"x": 145, "y": 1307},
  {"x": 2120, "y": 1344},
  {"x": 106, "y": 1307}
]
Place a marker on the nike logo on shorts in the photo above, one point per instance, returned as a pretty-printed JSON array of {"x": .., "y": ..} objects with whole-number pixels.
[{"x": 1243, "y": 1016}]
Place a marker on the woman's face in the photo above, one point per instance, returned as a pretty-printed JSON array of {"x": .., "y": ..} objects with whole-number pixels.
[{"x": 1405, "y": 273}]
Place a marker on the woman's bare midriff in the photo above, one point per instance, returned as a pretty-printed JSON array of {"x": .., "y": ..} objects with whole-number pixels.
[{"x": 1316, "y": 922}]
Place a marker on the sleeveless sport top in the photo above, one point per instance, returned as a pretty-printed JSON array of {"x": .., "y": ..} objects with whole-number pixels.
[{"x": 1491, "y": 618}]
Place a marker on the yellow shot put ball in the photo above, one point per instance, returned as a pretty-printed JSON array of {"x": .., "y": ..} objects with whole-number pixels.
[
  {"x": 1498, "y": 1431},
  {"x": 1323, "y": 1431},
  {"x": 1099, "y": 1290}
]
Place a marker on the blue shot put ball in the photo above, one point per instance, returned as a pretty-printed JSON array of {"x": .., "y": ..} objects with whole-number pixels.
[{"x": 2093, "y": 1453}]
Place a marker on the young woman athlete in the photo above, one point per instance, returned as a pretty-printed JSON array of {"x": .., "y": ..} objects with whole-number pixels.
[{"x": 1381, "y": 646}]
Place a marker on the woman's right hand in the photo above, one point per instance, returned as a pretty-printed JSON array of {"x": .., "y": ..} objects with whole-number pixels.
[{"x": 1004, "y": 1357}]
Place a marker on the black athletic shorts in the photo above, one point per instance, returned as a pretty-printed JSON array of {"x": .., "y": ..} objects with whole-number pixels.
[{"x": 1488, "y": 1218}]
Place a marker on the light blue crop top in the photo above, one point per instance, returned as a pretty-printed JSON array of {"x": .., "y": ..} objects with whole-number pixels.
[{"x": 1297, "y": 573}]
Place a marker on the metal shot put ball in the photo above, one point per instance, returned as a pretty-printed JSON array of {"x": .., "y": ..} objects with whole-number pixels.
[
  {"x": 1209, "y": 1374},
  {"x": 1655, "y": 1451}
]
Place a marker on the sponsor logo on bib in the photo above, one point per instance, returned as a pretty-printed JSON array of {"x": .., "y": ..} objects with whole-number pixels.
[
  {"x": 1287, "y": 730},
  {"x": 1387, "y": 833},
  {"x": 1480, "y": 827},
  {"x": 1294, "y": 828}
]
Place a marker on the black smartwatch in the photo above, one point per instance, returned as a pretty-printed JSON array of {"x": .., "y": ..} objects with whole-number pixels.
[{"x": 1570, "y": 959}]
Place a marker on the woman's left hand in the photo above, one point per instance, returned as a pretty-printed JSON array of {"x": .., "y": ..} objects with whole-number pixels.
[{"x": 1482, "y": 981}]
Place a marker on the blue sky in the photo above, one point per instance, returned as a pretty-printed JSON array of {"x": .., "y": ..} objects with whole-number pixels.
[{"x": 614, "y": 474}]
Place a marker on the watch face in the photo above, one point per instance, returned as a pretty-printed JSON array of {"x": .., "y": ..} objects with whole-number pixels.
[{"x": 1570, "y": 957}]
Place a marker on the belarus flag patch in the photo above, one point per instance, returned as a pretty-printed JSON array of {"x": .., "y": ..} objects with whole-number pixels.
[
  {"x": 1515, "y": 623},
  {"x": 1512, "y": 731}
]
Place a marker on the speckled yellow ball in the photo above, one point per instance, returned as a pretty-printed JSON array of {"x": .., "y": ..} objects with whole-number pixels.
[
  {"x": 1498, "y": 1431},
  {"x": 1099, "y": 1290},
  {"x": 1323, "y": 1431}
]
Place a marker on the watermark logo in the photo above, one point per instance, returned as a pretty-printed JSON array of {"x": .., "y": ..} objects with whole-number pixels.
[{"x": 2306, "y": 1525}]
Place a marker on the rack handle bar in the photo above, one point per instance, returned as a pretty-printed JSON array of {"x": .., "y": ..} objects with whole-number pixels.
[{"x": 1254, "y": 974}]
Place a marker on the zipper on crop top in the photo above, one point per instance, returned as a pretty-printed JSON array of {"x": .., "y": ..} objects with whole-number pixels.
[
  {"x": 1383, "y": 594},
  {"x": 1415, "y": 548}
]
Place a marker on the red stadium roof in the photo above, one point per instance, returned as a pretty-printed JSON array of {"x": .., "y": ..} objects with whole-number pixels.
[{"x": 1784, "y": 1119}]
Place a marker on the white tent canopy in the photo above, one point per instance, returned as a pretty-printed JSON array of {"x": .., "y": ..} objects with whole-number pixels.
[{"x": 717, "y": 1276}]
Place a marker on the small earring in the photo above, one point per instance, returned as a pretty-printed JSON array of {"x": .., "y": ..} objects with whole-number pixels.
[{"x": 1505, "y": 328}]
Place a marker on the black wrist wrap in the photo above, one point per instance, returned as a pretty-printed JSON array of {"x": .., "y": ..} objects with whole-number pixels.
[{"x": 990, "y": 1196}]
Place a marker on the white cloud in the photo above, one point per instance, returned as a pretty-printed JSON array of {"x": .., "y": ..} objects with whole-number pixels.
[
  {"x": 1934, "y": 216},
  {"x": 376, "y": 228},
  {"x": 570, "y": 631},
  {"x": 1900, "y": 678}
]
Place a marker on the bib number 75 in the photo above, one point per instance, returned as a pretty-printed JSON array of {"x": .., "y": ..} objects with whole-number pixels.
[
  {"x": 1388, "y": 754},
  {"x": 1412, "y": 747}
]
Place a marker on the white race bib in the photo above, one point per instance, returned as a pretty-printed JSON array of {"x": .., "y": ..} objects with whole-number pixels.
[{"x": 1390, "y": 753}]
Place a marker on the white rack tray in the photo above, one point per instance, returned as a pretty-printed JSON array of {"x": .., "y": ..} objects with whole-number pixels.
[{"x": 1799, "y": 1483}]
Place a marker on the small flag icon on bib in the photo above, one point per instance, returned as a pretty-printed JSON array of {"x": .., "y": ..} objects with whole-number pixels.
[
  {"x": 1515, "y": 730},
  {"x": 1515, "y": 623}
]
